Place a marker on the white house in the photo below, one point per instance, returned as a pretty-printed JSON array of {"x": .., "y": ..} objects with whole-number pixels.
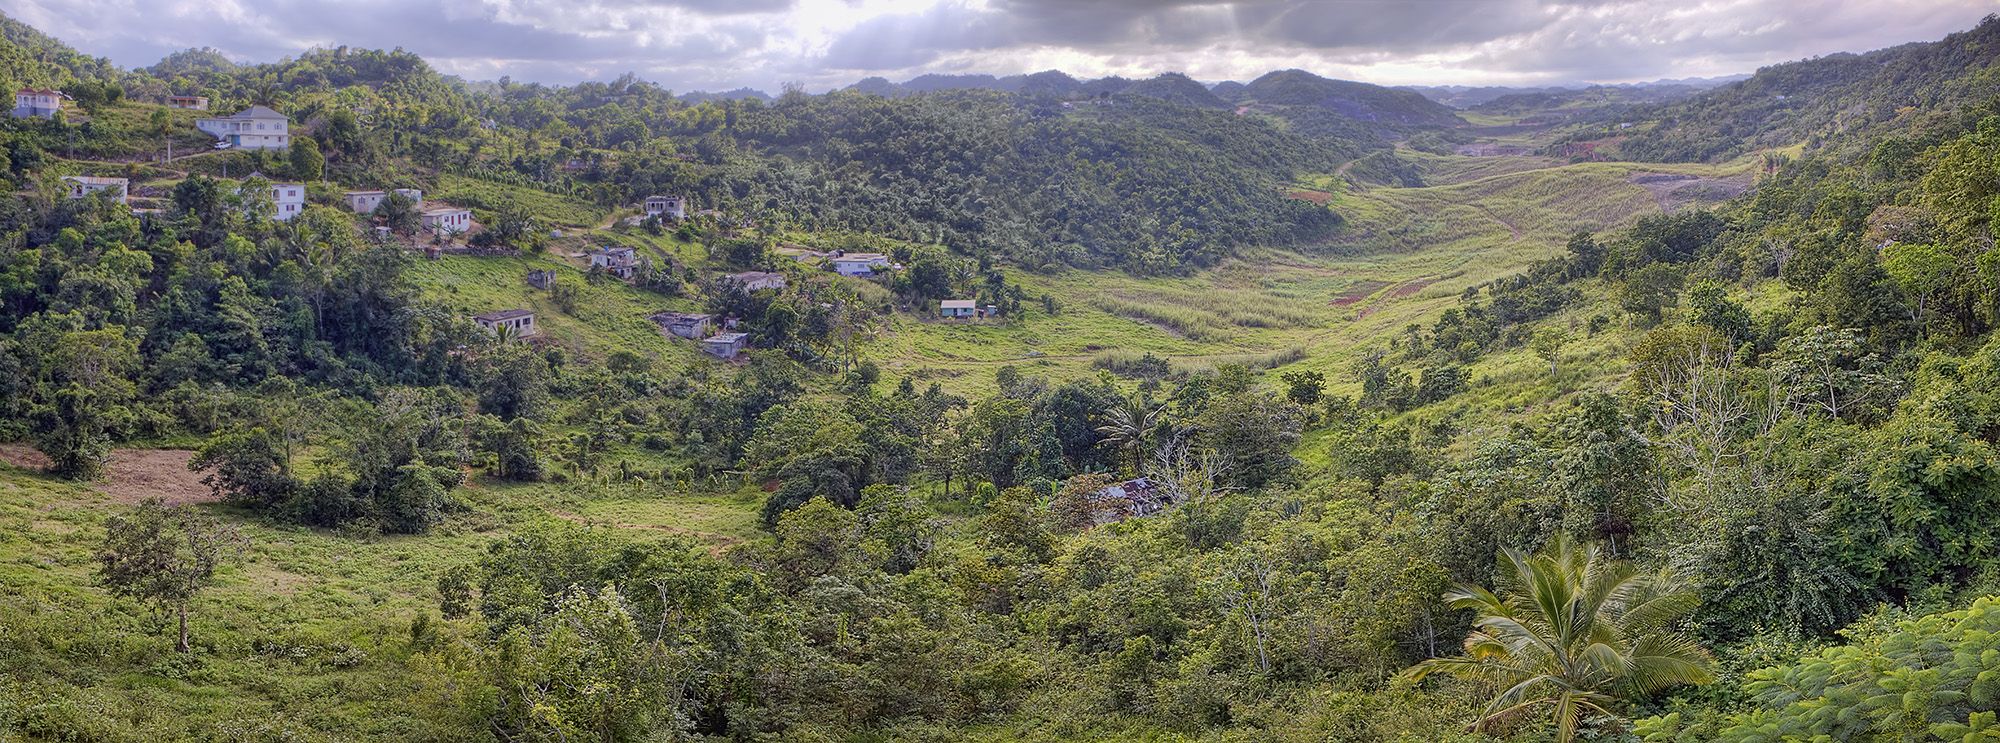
[
  {"x": 520, "y": 322},
  {"x": 859, "y": 264},
  {"x": 189, "y": 102},
  {"x": 37, "y": 103},
  {"x": 758, "y": 280},
  {"x": 446, "y": 219},
  {"x": 83, "y": 186},
  {"x": 958, "y": 308},
  {"x": 255, "y": 128},
  {"x": 290, "y": 199},
  {"x": 364, "y": 202},
  {"x": 616, "y": 261},
  {"x": 668, "y": 206}
]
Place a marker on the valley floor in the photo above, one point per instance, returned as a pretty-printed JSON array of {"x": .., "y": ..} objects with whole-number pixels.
[{"x": 1405, "y": 256}]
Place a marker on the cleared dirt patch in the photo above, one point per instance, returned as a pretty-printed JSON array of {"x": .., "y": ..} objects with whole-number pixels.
[
  {"x": 23, "y": 457},
  {"x": 132, "y": 475},
  {"x": 1400, "y": 292},
  {"x": 1678, "y": 190},
  {"x": 1361, "y": 291},
  {"x": 1413, "y": 287},
  {"x": 1318, "y": 198}
]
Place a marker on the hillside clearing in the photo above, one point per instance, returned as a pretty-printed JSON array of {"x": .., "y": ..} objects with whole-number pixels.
[{"x": 132, "y": 475}]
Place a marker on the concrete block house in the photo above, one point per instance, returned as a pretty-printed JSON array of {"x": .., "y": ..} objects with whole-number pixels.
[
  {"x": 858, "y": 264},
  {"x": 726, "y": 346},
  {"x": 753, "y": 281},
  {"x": 693, "y": 326},
  {"x": 253, "y": 128},
  {"x": 290, "y": 200},
  {"x": 519, "y": 323},
  {"x": 958, "y": 309},
  {"x": 444, "y": 220},
  {"x": 617, "y": 261},
  {"x": 38, "y": 103},
  {"x": 364, "y": 202},
  {"x": 669, "y": 207},
  {"x": 83, "y": 186}
]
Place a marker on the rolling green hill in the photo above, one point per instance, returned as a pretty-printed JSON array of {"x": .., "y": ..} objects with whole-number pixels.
[{"x": 1368, "y": 103}]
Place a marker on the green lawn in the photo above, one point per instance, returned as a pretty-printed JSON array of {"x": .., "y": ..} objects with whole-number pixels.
[{"x": 309, "y": 631}]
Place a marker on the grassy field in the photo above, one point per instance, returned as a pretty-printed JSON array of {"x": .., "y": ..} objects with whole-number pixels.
[
  {"x": 610, "y": 315},
  {"x": 308, "y": 631}
]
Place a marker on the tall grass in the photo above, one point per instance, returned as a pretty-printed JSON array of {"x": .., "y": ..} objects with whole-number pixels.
[
  {"x": 1209, "y": 314},
  {"x": 1187, "y": 323},
  {"x": 1135, "y": 364},
  {"x": 1252, "y": 361},
  {"x": 550, "y": 209}
]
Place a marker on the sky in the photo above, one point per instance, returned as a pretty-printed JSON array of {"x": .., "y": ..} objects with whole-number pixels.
[{"x": 722, "y": 44}]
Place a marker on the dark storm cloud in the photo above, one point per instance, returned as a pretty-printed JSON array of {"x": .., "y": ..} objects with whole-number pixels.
[
  {"x": 1520, "y": 40},
  {"x": 724, "y": 43},
  {"x": 1129, "y": 25},
  {"x": 1420, "y": 25}
]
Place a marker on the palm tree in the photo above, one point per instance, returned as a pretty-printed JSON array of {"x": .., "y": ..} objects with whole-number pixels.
[
  {"x": 1575, "y": 632},
  {"x": 1129, "y": 427}
]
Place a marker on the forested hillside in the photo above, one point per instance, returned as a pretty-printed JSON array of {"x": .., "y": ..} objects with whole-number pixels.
[
  {"x": 1824, "y": 99},
  {"x": 1242, "y": 443}
]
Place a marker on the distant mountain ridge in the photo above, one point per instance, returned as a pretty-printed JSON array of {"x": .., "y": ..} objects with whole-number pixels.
[
  {"x": 738, "y": 94},
  {"x": 1366, "y": 101},
  {"x": 1316, "y": 104},
  {"x": 1466, "y": 97}
]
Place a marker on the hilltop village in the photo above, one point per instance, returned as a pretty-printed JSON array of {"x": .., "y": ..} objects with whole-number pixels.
[{"x": 401, "y": 218}]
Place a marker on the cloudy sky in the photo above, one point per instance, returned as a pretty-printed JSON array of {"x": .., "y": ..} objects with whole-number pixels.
[{"x": 720, "y": 44}]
